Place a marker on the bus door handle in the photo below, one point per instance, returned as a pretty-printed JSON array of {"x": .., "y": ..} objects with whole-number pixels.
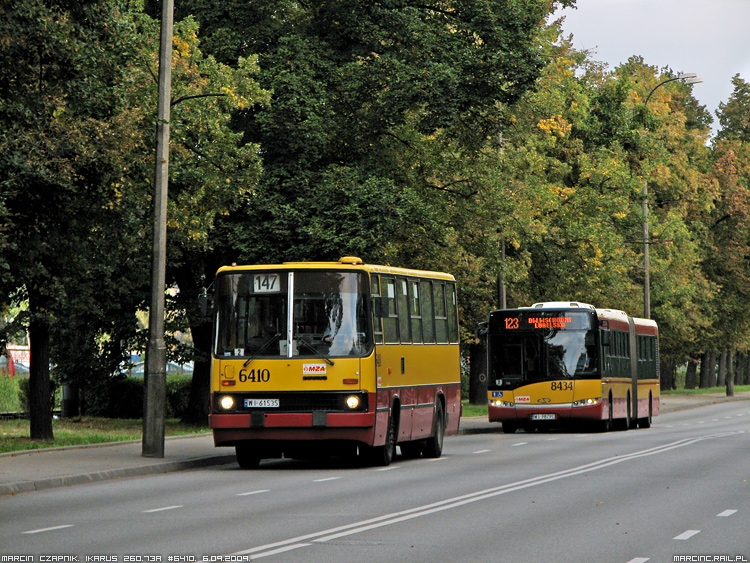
[{"x": 403, "y": 365}]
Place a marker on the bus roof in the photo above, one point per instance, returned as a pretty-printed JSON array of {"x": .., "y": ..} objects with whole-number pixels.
[{"x": 345, "y": 263}]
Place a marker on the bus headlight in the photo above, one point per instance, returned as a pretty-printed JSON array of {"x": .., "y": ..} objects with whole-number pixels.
[
  {"x": 352, "y": 402},
  {"x": 500, "y": 403},
  {"x": 226, "y": 402},
  {"x": 587, "y": 402}
]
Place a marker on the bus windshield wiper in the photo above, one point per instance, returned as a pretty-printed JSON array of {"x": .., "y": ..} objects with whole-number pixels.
[
  {"x": 262, "y": 349},
  {"x": 314, "y": 350}
]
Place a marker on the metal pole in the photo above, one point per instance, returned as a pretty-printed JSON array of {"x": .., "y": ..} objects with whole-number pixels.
[
  {"x": 689, "y": 78},
  {"x": 154, "y": 403},
  {"x": 646, "y": 259}
]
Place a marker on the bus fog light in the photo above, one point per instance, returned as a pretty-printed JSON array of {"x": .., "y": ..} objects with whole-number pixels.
[
  {"x": 226, "y": 402},
  {"x": 587, "y": 402},
  {"x": 352, "y": 402}
]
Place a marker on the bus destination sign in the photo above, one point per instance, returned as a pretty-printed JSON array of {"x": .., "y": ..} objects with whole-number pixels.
[{"x": 541, "y": 321}]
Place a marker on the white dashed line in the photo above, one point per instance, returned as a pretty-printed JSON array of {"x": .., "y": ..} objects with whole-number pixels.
[
  {"x": 726, "y": 513},
  {"x": 520, "y": 444},
  {"x": 389, "y": 468},
  {"x": 481, "y": 451},
  {"x": 687, "y": 535},
  {"x": 39, "y": 531},
  {"x": 163, "y": 508},
  {"x": 326, "y": 479},
  {"x": 253, "y": 493},
  {"x": 639, "y": 560}
]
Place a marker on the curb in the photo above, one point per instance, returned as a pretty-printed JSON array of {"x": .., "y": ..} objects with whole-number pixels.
[{"x": 162, "y": 467}]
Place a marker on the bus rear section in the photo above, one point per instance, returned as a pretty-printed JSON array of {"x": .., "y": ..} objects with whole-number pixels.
[
  {"x": 554, "y": 363},
  {"x": 298, "y": 371}
]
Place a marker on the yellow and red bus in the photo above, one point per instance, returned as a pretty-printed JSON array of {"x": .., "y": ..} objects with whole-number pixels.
[
  {"x": 334, "y": 357},
  {"x": 558, "y": 362}
]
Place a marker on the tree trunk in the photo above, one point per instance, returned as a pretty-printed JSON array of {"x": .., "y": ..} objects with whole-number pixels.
[
  {"x": 691, "y": 376},
  {"x": 200, "y": 388},
  {"x": 200, "y": 330},
  {"x": 722, "y": 368},
  {"x": 705, "y": 368},
  {"x": 730, "y": 374},
  {"x": 40, "y": 387},
  {"x": 666, "y": 374}
]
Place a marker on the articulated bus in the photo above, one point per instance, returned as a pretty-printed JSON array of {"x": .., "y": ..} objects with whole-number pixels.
[
  {"x": 571, "y": 362},
  {"x": 334, "y": 358}
]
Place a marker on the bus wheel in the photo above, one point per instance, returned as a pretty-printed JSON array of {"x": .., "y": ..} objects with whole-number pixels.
[
  {"x": 606, "y": 424},
  {"x": 646, "y": 422},
  {"x": 624, "y": 424},
  {"x": 434, "y": 444},
  {"x": 247, "y": 456},
  {"x": 383, "y": 455}
]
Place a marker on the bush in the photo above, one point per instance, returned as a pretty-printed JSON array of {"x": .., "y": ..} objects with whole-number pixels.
[
  {"x": 10, "y": 400},
  {"x": 122, "y": 397}
]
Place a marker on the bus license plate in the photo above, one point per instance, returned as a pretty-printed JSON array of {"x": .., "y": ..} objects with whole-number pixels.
[
  {"x": 260, "y": 403},
  {"x": 543, "y": 417}
]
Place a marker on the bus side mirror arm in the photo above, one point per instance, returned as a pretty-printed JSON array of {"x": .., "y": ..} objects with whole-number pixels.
[{"x": 205, "y": 304}]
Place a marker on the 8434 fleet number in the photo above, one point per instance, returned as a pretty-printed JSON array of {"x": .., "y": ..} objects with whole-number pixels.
[{"x": 562, "y": 385}]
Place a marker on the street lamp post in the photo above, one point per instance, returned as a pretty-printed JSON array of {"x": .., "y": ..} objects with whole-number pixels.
[{"x": 689, "y": 78}]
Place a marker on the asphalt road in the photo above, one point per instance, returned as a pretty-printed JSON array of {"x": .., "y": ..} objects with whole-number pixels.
[{"x": 678, "y": 488}]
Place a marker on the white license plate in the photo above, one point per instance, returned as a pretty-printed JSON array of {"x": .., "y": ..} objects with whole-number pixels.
[
  {"x": 543, "y": 417},
  {"x": 259, "y": 403}
]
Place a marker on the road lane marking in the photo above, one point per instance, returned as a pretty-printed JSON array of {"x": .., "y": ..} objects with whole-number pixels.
[
  {"x": 326, "y": 479},
  {"x": 253, "y": 493},
  {"x": 519, "y": 444},
  {"x": 726, "y": 513},
  {"x": 455, "y": 502},
  {"x": 481, "y": 451},
  {"x": 40, "y": 530},
  {"x": 639, "y": 560},
  {"x": 163, "y": 508},
  {"x": 686, "y": 535},
  {"x": 389, "y": 468},
  {"x": 281, "y": 550}
]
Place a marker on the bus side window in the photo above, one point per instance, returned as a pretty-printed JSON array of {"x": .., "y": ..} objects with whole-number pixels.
[
  {"x": 428, "y": 313},
  {"x": 452, "y": 312},
  {"x": 390, "y": 323},
  {"x": 403, "y": 310},
  {"x": 376, "y": 318},
  {"x": 441, "y": 320},
  {"x": 415, "y": 311}
]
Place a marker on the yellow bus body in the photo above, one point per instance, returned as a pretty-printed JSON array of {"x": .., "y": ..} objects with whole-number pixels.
[{"x": 405, "y": 385}]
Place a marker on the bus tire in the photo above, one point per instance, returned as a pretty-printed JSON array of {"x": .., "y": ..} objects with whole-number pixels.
[
  {"x": 646, "y": 422},
  {"x": 248, "y": 456},
  {"x": 434, "y": 445},
  {"x": 624, "y": 424},
  {"x": 606, "y": 424},
  {"x": 383, "y": 455}
]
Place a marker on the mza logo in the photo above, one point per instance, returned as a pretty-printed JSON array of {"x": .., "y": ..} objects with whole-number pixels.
[
  {"x": 309, "y": 369},
  {"x": 523, "y": 399}
]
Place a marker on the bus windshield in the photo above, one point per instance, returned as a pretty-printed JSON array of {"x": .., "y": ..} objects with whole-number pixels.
[
  {"x": 329, "y": 314},
  {"x": 519, "y": 356}
]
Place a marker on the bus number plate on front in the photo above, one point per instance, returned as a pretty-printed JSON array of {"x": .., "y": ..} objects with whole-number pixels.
[
  {"x": 543, "y": 417},
  {"x": 261, "y": 403}
]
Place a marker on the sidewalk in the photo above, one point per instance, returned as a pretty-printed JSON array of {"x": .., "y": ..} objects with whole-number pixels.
[{"x": 36, "y": 470}]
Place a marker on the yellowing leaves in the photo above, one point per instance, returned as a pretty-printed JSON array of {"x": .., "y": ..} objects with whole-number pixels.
[{"x": 556, "y": 125}]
